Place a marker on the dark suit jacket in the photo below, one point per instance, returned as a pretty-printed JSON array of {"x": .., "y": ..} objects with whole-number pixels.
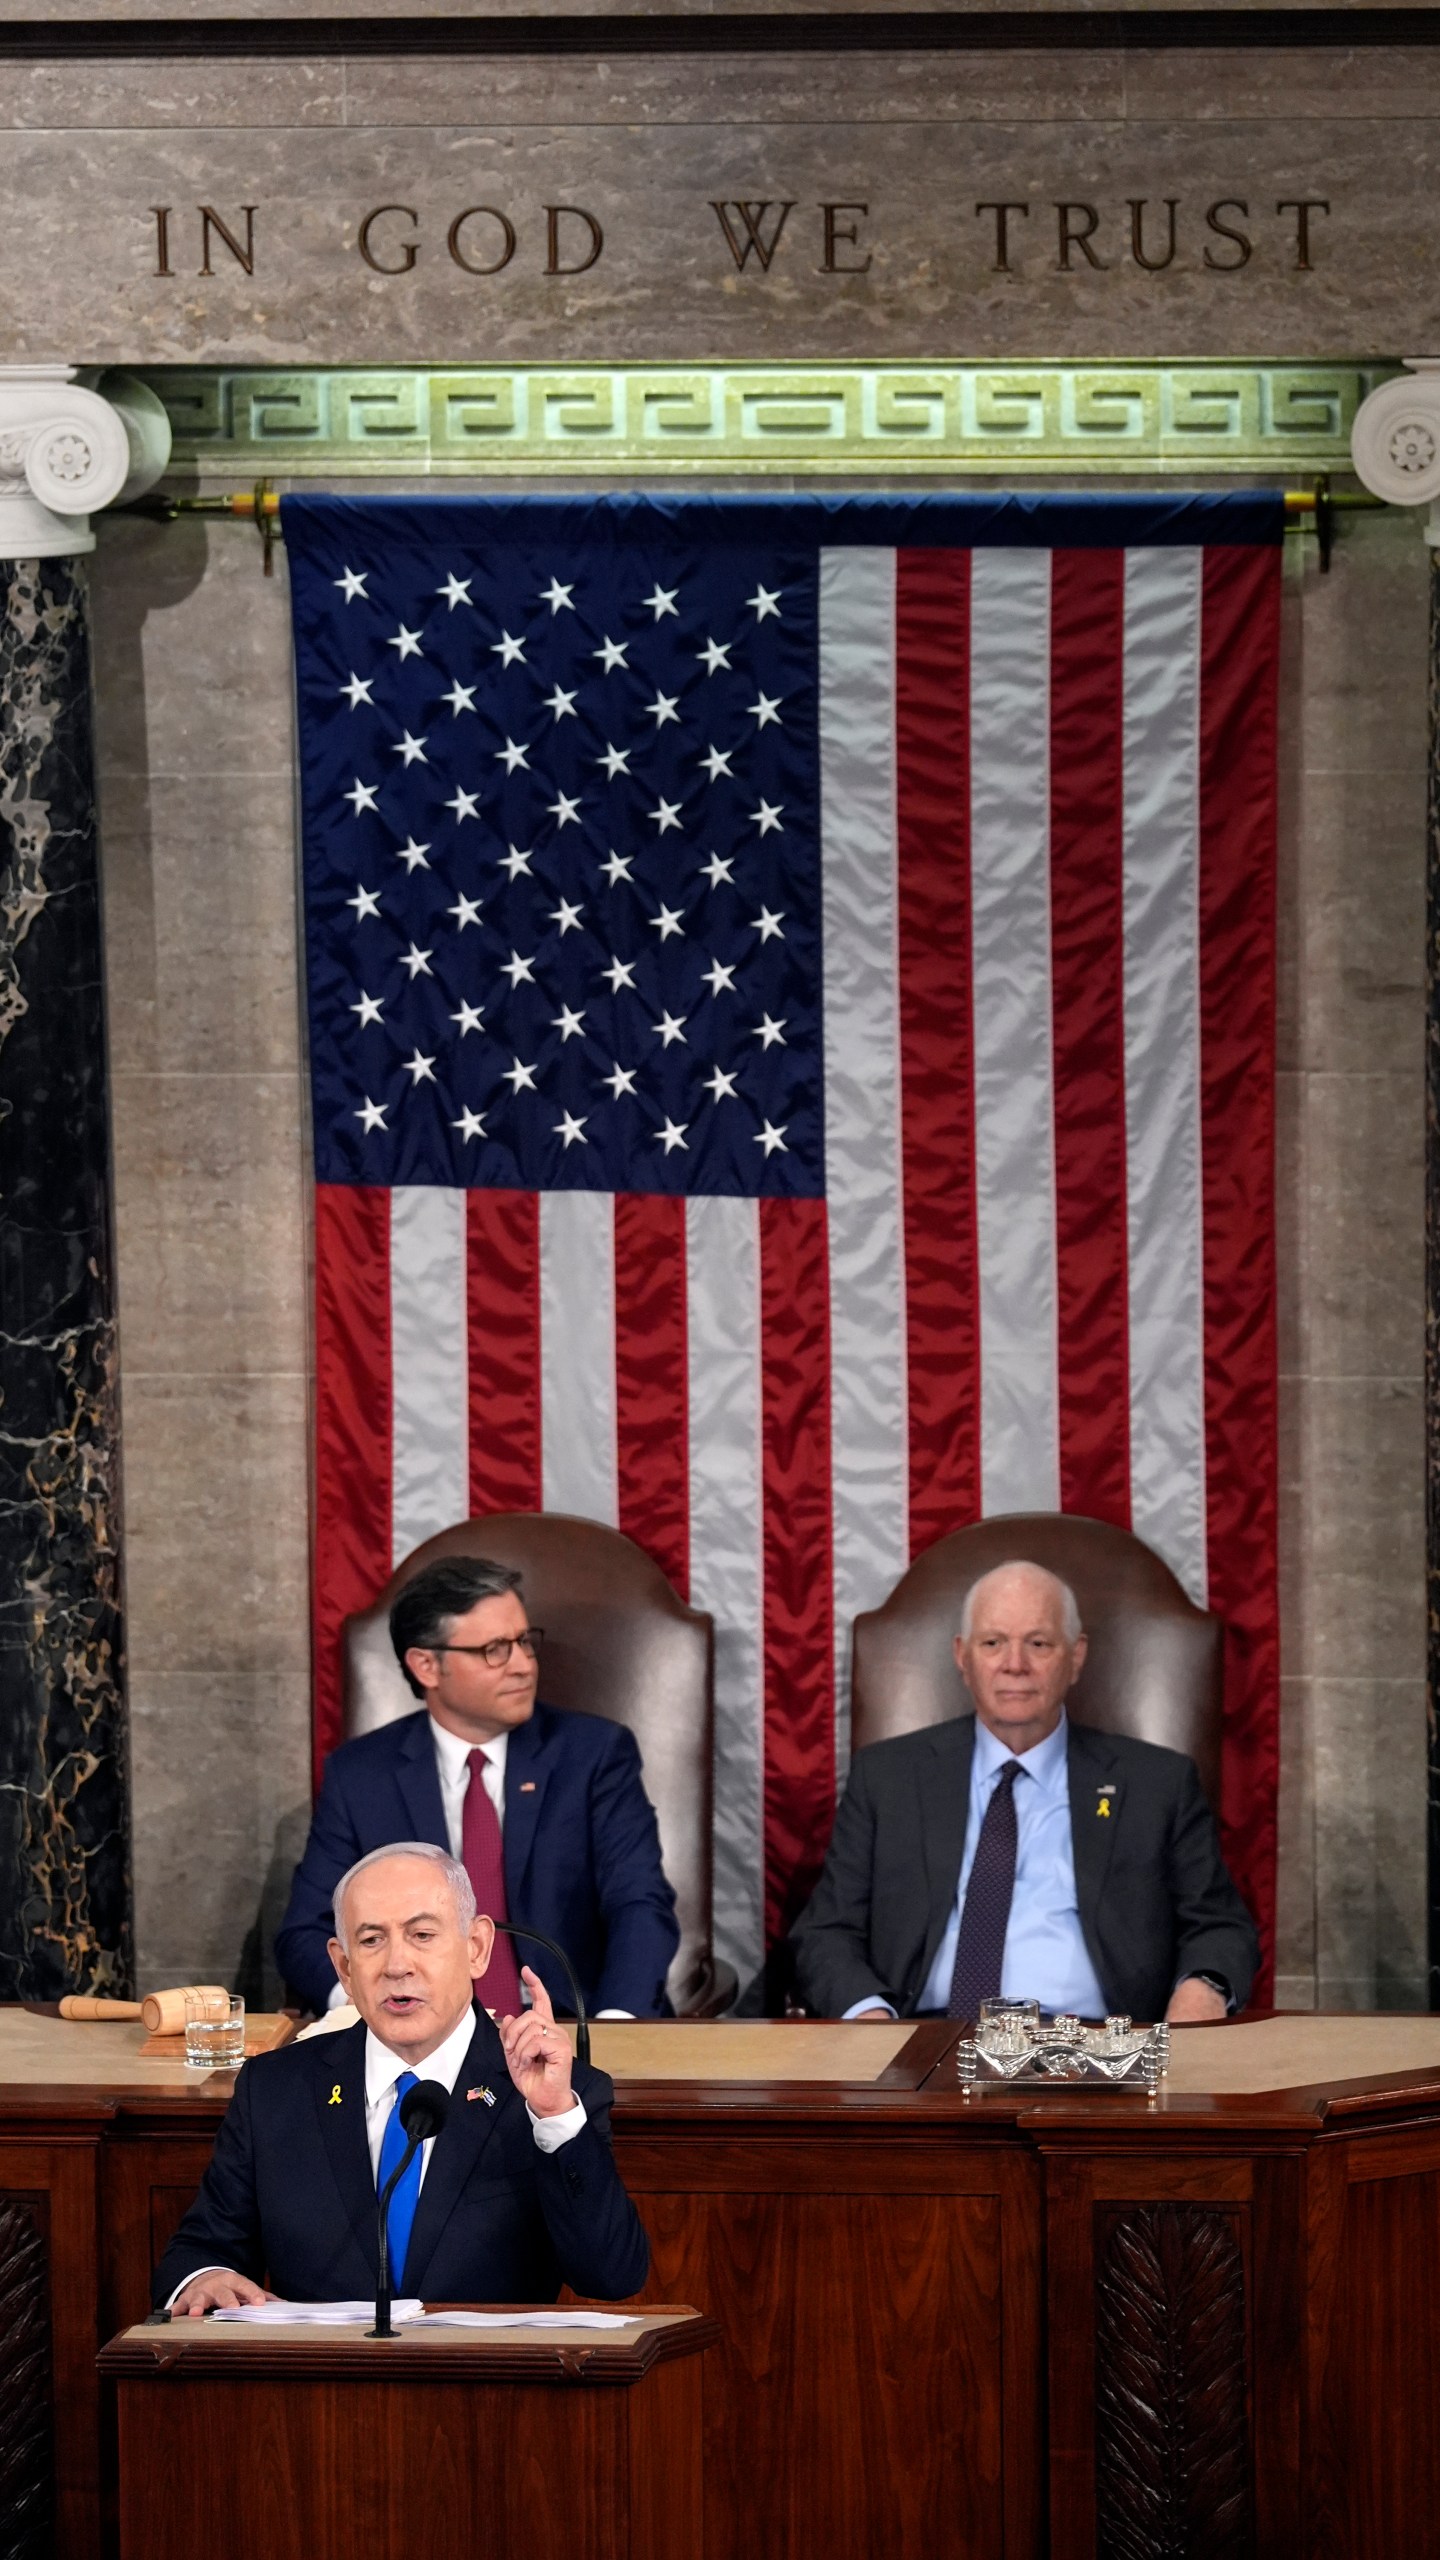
[
  {"x": 290, "y": 2193},
  {"x": 1154, "y": 1897},
  {"x": 582, "y": 1854}
]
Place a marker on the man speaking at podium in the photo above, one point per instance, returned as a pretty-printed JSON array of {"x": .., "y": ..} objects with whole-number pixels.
[{"x": 517, "y": 2195}]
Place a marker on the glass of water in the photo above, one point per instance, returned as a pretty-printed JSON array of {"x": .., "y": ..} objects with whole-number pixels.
[{"x": 214, "y": 2031}]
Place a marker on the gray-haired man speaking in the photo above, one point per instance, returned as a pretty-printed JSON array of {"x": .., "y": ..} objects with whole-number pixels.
[
  {"x": 517, "y": 2195},
  {"x": 1019, "y": 1854}
]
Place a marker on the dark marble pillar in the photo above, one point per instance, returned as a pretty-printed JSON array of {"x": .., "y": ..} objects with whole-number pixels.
[{"x": 64, "y": 1841}]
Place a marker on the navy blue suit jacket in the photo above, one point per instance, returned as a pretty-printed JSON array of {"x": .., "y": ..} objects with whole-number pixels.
[
  {"x": 582, "y": 1853},
  {"x": 289, "y": 2192}
]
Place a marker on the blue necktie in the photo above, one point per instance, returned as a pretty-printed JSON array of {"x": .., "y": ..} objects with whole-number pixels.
[
  {"x": 407, "y": 2194},
  {"x": 980, "y": 1948}
]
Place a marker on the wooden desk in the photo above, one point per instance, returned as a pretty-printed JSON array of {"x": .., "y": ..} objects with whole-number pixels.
[
  {"x": 315, "y": 2443},
  {"x": 943, "y": 2320}
]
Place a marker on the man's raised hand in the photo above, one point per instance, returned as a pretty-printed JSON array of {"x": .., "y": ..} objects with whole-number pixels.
[{"x": 537, "y": 2052}]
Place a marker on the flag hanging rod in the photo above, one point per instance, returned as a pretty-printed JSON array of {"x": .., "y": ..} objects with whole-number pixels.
[{"x": 260, "y": 506}]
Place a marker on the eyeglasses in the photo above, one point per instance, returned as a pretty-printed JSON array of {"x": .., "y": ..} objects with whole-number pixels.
[{"x": 497, "y": 1652}]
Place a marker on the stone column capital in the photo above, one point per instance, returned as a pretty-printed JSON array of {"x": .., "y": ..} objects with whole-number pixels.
[
  {"x": 1395, "y": 441},
  {"x": 68, "y": 449}
]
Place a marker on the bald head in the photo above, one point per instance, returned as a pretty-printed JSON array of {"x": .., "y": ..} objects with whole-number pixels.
[
  {"x": 1020, "y": 1650},
  {"x": 1038, "y": 1578}
]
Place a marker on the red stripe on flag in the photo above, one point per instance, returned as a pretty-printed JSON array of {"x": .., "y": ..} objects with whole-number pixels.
[
  {"x": 1239, "y": 664},
  {"x": 799, "y": 1792},
  {"x": 352, "y": 1430},
  {"x": 1087, "y": 949},
  {"x": 937, "y": 1068},
  {"x": 502, "y": 1318},
  {"x": 652, "y": 1417}
]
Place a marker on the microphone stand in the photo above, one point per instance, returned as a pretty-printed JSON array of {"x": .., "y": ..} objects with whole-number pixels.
[
  {"x": 511, "y": 1929},
  {"x": 383, "y": 2327}
]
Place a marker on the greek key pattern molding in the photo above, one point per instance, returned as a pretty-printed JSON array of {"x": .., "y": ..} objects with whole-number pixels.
[{"x": 899, "y": 419}]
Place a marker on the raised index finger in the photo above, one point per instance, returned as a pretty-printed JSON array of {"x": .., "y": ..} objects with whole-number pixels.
[{"x": 539, "y": 1997}]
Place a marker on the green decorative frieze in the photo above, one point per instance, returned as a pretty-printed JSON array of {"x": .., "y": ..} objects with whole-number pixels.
[{"x": 895, "y": 418}]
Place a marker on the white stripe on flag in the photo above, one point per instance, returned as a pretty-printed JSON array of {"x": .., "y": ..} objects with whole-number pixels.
[
  {"x": 429, "y": 1396},
  {"x": 869, "y": 1441},
  {"x": 1014, "y": 1108},
  {"x": 1162, "y": 1057},
  {"x": 722, "y": 1252},
  {"x": 577, "y": 1354}
]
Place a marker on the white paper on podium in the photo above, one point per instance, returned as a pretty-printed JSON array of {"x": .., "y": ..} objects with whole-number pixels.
[
  {"x": 522, "y": 2320},
  {"x": 282, "y": 2315},
  {"x": 411, "y": 2313}
]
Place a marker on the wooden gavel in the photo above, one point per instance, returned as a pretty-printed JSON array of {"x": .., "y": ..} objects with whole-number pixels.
[{"x": 162, "y": 2014}]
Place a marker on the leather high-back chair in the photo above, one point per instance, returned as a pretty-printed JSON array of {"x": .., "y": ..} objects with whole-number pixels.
[
  {"x": 1154, "y": 1663},
  {"x": 619, "y": 1642}
]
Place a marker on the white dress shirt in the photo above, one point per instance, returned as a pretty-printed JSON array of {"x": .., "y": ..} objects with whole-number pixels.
[{"x": 452, "y": 1765}]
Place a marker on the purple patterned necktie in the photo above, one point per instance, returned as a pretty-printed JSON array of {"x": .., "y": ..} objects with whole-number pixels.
[{"x": 980, "y": 1947}]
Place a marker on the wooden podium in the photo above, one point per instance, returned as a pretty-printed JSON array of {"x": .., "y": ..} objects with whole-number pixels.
[{"x": 315, "y": 2443}]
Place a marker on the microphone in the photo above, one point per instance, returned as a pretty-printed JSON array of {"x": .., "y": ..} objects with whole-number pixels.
[
  {"x": 512, "y": 1929},
  {"x": 423, "y": 2111}
]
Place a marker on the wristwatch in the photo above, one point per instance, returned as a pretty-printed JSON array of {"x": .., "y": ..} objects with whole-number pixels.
[{"x": 1218, "y": 1983}]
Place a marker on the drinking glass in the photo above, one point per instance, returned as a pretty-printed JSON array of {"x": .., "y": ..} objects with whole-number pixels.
[
  {"x": 1008, "y": 2026},
  {"x": 214, "y": 2031}
]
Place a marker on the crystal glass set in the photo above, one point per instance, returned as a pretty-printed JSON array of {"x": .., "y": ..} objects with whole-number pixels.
[{"x": 1013, "y": 2042}]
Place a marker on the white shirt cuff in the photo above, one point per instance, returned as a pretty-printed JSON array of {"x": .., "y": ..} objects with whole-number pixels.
[
  {"x": 553, "y": 2132},
  {"x": 194, "y": 2272},
  {"x": 338, "y": 1996},
  {"x": 860, "y": 2007}
]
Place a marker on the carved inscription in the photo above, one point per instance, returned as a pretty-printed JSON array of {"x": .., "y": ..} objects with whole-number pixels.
[
  {"x": 25, "y": 2450},
  {"x": 834, "y": 237},
  {"x": 1172, "y": 2464}
]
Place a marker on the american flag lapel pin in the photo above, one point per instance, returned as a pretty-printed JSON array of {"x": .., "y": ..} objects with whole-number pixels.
[
  {"x": 487, "y": 2094},
  {"x": 527, "y": 1786}
]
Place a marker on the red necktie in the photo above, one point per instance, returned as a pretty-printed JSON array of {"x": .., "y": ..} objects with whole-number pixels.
[{"x": 482, "y": 1853}]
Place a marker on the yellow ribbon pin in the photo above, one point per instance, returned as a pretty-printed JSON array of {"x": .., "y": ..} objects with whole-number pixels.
[
  {"x": 1103, "y": 1808},
  {"x": 335, "y": 2095}
]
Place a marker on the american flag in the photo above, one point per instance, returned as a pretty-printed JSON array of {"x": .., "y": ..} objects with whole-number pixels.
[{"x": 791, "y": 1016}]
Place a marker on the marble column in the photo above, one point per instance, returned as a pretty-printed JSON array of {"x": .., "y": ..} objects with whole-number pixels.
[
  {"x": 1395, "y": 445},
  {"x": 65, "y": 450}
]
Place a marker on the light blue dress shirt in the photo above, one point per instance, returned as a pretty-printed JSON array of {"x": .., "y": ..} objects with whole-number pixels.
[{"x": 1046, "y": 1958}]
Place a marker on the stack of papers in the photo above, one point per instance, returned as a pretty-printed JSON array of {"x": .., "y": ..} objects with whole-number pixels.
[
  {"x": 413, "y": 2314},
  {"x": 523, "y": 2320},
  {"x": 280, "y": 2315}
]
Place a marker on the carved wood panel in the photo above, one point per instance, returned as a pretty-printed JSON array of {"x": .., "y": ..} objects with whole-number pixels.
[
  {"x": 1172, "y": 2449},
  {"x": 26, "y": 2457}
]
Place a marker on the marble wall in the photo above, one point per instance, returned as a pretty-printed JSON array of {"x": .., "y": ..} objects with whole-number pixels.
[
  {"x": 1351, "y": 1201},
  {"x": 195, "y": 771}
]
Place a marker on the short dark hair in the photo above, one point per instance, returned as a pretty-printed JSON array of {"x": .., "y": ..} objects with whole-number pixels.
[{"x": 428, "y": 1607}]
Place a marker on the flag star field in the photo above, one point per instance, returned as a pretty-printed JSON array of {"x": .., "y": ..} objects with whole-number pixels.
[{"x": 562, "y": 839}]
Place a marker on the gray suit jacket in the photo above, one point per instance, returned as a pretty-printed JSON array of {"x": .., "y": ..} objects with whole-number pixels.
[{"x": 1154, "y": 1896}]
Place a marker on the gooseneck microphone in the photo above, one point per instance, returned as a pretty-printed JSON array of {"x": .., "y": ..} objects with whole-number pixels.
[
  {"x": 512, "y": 1929},
  {"x": 423, "y": 2111}
]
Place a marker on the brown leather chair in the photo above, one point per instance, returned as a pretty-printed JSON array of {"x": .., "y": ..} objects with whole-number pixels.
[
  {"x": 1154, "y": 1666},
  {"x": 619, "y": 1642}
]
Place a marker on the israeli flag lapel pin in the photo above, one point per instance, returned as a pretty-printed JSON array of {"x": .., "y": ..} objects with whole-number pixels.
[
  {"x": 482, "y": 2092},
  {"x": 1102, "y": 1808}
]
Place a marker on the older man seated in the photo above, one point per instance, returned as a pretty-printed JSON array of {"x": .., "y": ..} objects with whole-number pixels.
[
  {"x": 1015, "y": 1853},
  {"x": 515, "y": 2196}
]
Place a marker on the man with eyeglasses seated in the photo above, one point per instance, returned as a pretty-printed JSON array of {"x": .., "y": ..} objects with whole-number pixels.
[{"x": 545, "y": 1809}]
